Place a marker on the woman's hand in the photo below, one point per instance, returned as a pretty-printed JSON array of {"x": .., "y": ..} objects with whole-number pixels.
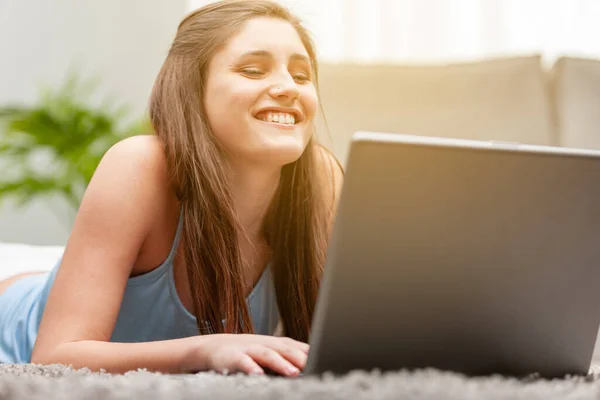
[{"x": 227, "y": 353}]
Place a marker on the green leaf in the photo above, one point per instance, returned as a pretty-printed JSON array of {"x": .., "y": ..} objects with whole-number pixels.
[{"x": 72, "y": 133}]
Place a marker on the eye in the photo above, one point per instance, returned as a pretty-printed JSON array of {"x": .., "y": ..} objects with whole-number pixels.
[
  {"x": 301, "y": 77},
  {"x": 252, "y": 71}
]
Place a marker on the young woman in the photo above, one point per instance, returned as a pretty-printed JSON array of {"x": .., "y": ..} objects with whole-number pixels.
[{"x": 192, "y": 245}]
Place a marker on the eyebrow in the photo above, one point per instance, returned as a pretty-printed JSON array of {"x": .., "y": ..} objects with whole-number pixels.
[{"x": 264, "y": 53}]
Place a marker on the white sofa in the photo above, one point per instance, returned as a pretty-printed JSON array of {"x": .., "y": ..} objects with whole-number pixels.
[
  {"x": 512, "y": 99},
  {"x": 16, "y": 258}
]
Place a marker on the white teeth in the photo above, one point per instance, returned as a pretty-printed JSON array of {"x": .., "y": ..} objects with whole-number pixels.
[{"x": 280, "y": 118}]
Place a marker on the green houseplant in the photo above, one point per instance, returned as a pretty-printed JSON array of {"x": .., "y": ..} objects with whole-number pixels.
[{"x": 53, "y": 147}]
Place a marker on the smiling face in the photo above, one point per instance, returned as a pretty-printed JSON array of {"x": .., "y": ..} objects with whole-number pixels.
[{"x": 260, "y": 99}]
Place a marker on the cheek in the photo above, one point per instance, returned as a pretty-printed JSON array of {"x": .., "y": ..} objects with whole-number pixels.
[
  {"x": 220, "y": 98},
  {"x": 225, "y": 105},
  {"x": 310, "y": 101},
  {"x": 241, "y": 100}
]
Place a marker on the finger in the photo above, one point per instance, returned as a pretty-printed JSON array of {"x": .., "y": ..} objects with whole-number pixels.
[
  {"x": 271, "y": 359},
  {"x": 295, "y": 356},
  {"x": 304, "y": 347},
  {"x": 247, "y": 365}
]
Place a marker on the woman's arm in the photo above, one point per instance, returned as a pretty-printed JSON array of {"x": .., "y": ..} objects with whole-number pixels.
[
  {"x": 117, "y": 358},
  {"x": 128, "y": 190}
]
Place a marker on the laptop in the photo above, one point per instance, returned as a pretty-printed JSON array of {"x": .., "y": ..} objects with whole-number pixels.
[{"x": 469, "y": 256}]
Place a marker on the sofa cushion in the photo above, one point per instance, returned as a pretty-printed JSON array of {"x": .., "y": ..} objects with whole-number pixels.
[
  {"x": 497, "y": 99},
  {"x": 17, "y": 258},
  {"x": 576, "y": 87}
]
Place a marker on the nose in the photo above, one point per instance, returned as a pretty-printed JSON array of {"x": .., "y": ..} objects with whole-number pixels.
[{"x": 285, "y": 89}]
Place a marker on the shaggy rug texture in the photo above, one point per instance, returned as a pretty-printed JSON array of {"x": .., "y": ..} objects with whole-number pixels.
[{"x": 28, "y": 381}]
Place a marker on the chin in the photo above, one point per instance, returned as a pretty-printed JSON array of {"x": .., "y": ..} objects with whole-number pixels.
[
  {"x": 279, "y": 147},
  {"x": 282, "y": 153}
]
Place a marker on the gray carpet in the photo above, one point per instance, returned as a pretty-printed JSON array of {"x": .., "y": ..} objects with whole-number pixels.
[{"x": 20, "y": 382}]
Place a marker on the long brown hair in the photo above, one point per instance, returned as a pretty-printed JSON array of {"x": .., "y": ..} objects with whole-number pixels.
[{"x": 297, "y": 224}]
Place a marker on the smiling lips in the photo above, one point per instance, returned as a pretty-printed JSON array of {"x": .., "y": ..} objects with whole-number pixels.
[
  {"x": 278, "y": 117},
  {"x": 281, "y": 118}
]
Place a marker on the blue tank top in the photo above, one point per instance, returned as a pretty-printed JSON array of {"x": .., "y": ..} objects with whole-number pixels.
[{"x": 151, "y": 309}]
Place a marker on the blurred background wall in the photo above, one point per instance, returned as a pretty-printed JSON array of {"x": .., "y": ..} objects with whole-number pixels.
[{"x": 123, "y": 43}]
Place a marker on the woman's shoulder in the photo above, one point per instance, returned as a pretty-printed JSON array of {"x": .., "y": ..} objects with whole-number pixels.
[
  {"x": 146, "y": 149},
  {"x": 140, "y": 158},
  {"x": 131, "y": 177},
  {"x": 132, "y": 184}
]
